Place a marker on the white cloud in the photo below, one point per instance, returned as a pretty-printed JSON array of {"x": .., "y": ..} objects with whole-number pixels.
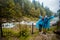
[{"x": 52, "y": 4}]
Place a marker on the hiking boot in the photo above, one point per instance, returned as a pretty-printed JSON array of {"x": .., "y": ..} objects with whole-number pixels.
[
  {"x": 44, "y": 33},
  {"x": 40, "y": 32}
]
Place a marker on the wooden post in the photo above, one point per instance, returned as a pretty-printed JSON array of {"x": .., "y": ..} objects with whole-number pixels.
[
  {"x": 1, "y": 32},
  {"x": 32, "y": 28}
]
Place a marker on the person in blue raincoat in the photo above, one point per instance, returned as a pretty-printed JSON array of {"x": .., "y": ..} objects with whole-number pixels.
[
  {"x": 39, "y": 23},
  {"x": 43, "y": 22}
]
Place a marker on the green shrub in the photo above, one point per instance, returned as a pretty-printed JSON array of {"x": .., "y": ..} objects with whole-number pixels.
[
  {"x": 24, "y": 33},
  {"x": 9, "y": 32}
]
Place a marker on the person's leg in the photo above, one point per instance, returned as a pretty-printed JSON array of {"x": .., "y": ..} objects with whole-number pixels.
[
  {"x": 44, "y": 30},
  {"x": 48, "y": 29},
  {"x": 40, "y": 28}
]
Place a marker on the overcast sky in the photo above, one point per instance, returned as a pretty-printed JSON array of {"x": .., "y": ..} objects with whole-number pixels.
[{"x": 52, "y": 4}]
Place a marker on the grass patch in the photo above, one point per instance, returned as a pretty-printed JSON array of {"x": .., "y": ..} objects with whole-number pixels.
[{"x": 23, "y": 33}]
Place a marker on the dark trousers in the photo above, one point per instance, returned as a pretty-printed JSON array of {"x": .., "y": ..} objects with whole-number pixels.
[{"x": 40, "y": 28}]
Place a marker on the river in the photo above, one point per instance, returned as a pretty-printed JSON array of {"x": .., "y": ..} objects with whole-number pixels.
[{"x": 11, "y": 25}]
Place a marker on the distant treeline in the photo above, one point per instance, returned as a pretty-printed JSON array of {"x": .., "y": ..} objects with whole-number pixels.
[{"x": 16, "y": 9}]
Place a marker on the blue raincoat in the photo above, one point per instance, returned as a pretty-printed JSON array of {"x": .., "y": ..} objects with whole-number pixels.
[{"x": 45, "y": 23}]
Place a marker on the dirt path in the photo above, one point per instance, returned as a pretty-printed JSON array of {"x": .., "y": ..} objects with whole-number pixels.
[{"x": 45, "y": 37}]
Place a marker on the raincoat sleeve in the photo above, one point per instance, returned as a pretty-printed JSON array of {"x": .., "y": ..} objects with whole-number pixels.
[
  {"x": 37, "y": 23},
  {"x": 51, "y": 17},
  {"x": 40, "y": 17}
]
